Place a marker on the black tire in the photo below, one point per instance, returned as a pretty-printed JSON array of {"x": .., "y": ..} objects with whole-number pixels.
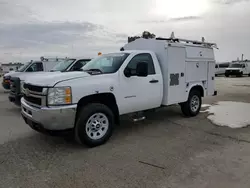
[
  {"x": 249, "y": 75},
  {"x": 240, "y": 75},
  {"x": 81, "y": 135},
  {"x": 227, "y": 75},
  {"x": 186, "y": 107}
]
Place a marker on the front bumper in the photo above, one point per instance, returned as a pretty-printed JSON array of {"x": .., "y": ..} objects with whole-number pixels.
[
  {"x": 6, "y": 85},
  {"x": 233, "y": 72},
  {"x": 15, "y": 98},
  {"x": 48, "y": 118}
]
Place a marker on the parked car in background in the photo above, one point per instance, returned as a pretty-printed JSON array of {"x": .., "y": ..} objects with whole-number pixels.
[
  {"x": 220, "y": 68},
  {"x": 72, "y": 64}
]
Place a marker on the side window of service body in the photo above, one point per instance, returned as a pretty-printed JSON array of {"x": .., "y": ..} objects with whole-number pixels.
[{"x": 145, "y": 57}]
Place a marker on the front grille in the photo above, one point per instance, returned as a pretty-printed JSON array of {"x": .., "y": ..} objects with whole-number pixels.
[
  {"x": 233, "y": 71},
  {"x": 33, "y": 88},
  {"x": 33, "y": 100}
]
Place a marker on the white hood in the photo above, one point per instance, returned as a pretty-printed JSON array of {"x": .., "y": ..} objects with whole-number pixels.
[
  {"x": 12, "y": 73},
  {"x": 51, "y": 78},
  {"x": 26, "y": 75}
]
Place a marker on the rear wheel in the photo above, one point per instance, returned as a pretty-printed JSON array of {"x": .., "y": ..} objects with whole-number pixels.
[
  {"x": 193, "y": 105},
  {"x": 94, "y": 125},
  {"x": 227, "y": 75}
]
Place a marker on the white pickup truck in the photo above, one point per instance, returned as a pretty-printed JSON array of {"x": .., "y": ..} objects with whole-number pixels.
[
  {"x": 148, "y": 74},
  {"x": 44, "y": 65},
  {"x": 66, "y": 65}
]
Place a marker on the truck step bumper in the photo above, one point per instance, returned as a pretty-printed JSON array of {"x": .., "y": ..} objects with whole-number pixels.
[
  {"x": 40, "y": 128},
  {"x": 49, "y": 118}
]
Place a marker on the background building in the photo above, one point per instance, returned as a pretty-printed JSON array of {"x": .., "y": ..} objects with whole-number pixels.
[{"x": 7, "y": 67}]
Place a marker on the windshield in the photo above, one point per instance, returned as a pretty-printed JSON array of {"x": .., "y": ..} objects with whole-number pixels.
[
  {"x": 108, "y": 63},
  {"x": 23, "y": 67},
  {"x": 236, "y": 65},
  {"x": 62, "y": 66}
]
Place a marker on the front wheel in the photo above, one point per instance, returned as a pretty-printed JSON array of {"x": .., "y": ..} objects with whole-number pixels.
[
  {"x": 94, "y": 125},
  {"x": 193, "y": 105}
]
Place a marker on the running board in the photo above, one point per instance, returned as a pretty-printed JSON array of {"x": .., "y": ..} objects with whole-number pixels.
[
  {"x": 139, "y": 119},
  {"x": 139, "y": 116}
]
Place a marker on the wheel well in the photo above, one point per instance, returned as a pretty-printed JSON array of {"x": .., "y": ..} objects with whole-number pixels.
[
  {"x": 198, "y": 88},
  {"x": 107, "y": 99}
]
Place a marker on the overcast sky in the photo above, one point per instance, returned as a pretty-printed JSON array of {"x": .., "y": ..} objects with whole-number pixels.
[{"x": 33, "y": 28}]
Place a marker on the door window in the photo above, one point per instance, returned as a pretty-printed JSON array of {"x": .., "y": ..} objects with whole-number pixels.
[
  {"x": 78, "y": 65},
  {"x": 35, "y": 67},
  {"x": 146, "y": 57}
]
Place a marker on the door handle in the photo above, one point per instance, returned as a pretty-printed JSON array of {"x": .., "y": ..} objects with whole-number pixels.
[{"x": 153, "y": 81}]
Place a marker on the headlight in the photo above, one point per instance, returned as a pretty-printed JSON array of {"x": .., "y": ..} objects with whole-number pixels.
[
  {"x": 59, "y": 96},
  {"x": 6, "y": 77}
]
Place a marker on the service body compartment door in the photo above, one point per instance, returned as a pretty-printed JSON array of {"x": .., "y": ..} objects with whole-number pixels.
[
  {"x": 176, "y": 74},
  {"x": 210, "y": 78}
]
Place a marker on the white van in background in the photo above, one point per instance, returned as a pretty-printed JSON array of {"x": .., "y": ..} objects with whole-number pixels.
[
  {"x": 238, "y": 69},
  {"x": 220, "y": 68}
]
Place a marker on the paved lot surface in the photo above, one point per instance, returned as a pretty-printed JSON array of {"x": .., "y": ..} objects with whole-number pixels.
[{"x": 166, "y": 150}]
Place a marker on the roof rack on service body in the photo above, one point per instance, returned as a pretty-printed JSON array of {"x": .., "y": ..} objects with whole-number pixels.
[
  {"x": 148, "y": 35},
  {"x": 52, "y": 59}
]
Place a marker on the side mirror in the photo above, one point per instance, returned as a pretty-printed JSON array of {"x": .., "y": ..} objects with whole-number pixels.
[
  {"x": 142, "y": 69},
  {"x": 127, "y": 72}
]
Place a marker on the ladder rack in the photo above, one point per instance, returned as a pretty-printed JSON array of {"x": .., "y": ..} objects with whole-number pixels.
[
  {"x": 173, "y": 39},
  {"x": 51, "y": 59},
  {"x": 207, "y": 44}
]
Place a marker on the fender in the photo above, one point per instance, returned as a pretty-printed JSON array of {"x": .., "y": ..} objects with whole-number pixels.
[{"x": 195, "y": 84}]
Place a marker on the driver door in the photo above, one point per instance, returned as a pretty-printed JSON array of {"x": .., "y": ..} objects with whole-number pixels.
[{"x": 140, "y": 93}]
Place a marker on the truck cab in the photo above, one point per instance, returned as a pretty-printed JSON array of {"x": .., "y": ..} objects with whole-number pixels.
[
  {"x": 238, "y": 69},
  {"x": 147, "y": 74},
  {"x": 69, "y": 64}
]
